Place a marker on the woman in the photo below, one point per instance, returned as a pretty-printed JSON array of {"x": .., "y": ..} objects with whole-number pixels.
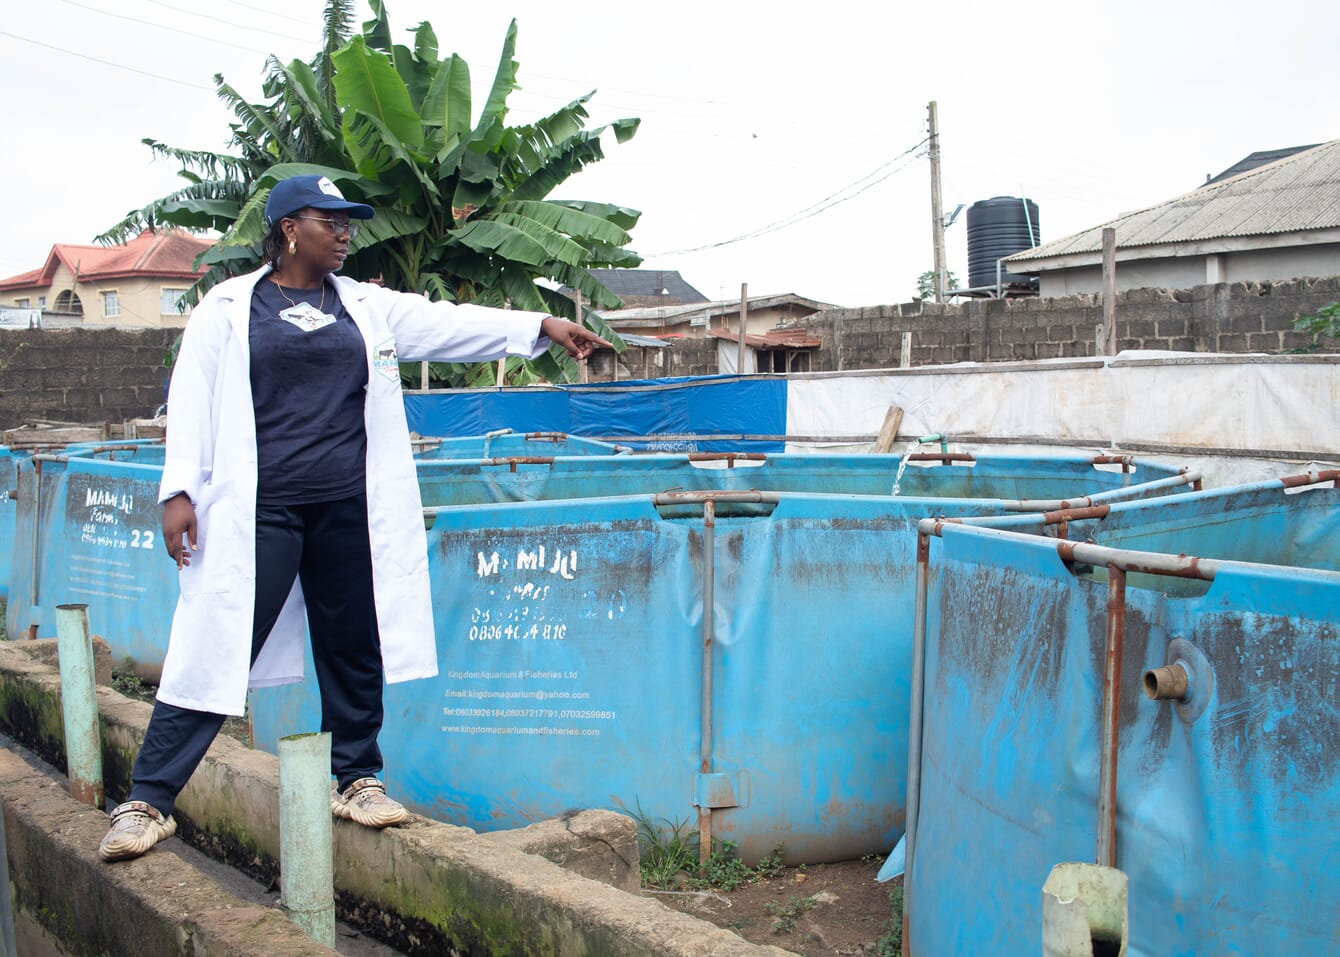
[{"x": 289, "y": 489}]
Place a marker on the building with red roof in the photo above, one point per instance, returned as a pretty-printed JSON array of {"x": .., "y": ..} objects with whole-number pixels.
[{"x": 137, "y": 284}]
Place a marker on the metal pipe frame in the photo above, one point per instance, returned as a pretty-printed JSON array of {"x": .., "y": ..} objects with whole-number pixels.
[
  {"x": 915, "y": 722},
  {"x": 1187, "y": 477},
  {"x": 35, "y": 547},
  {"x": 705, "y": 743},
  {"x": 1107, "y": 771}
]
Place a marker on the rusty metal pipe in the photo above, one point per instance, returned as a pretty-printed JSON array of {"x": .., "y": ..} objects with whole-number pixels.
[
  {"x": 35, "y": 547},
  {"x": 730, "y": 458},
  {"x": 1107, "y": 772},
  {"x": 1312, "y": 478},
  {"x": 1169, "y": 683},
  {"x": 915, "y": 721},
  {"x": 1087, "y": 501},
  {"x": 709, "y": 604}
]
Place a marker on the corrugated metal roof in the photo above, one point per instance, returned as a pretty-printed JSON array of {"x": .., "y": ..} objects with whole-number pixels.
[
  {"x": 1259, "y": 158},
  {"x": 1295, "y": 194}
]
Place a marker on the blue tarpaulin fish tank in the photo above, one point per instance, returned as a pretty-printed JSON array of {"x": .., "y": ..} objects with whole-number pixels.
[{"x": 1203, "y": 762}]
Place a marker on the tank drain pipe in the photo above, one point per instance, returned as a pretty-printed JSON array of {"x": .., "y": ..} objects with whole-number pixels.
[
  {"x": 709, "y": 603},
  {"x": 306, "y": 866},
  {"x": 1107, "y": 771},
  {"x": 1168, "y": 683},
  {"x": 913, "y": 803},
  {"x": 79, "y": 704}
]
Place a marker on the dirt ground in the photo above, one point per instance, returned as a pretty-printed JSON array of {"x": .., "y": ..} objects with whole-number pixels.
[{"x": 817, "y": 911}]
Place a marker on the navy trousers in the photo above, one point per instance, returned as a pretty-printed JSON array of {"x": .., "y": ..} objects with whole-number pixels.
[{"x": 325, "y": 546}]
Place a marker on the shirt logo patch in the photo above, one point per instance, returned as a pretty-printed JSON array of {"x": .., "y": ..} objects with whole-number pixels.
[
  {"x": 306, "y": 317},
  {"x": 384, "y": 361}
]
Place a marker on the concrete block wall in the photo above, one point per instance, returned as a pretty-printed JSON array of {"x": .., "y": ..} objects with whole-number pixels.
[
  {"x": 1235, "y": 317},
  {"x": 82, "y": 375},
  {"x": 112, "y": 375}
]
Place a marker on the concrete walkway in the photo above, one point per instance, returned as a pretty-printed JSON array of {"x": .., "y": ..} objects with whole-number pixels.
[{"x": 425, "y": 887}]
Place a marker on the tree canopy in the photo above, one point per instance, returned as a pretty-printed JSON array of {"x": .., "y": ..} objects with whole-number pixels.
[{"x": 463, "y": 207}]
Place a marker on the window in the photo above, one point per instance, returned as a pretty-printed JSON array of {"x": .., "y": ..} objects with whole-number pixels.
[
  {"x": 41, "y": 302},
  {"x": 111, "y": 305},
  {"x": 68, "y": 301},
  {"x": 23, "y": 303},
  {"x": 169, "y": 302}
]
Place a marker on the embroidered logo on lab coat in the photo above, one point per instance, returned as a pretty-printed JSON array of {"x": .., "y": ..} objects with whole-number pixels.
[
  {"x": 306, "y": 317},
  {"x": 384, "y": 360}
]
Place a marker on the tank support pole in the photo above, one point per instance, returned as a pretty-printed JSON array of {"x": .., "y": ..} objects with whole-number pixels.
[
  {"x": 35, "y": 549},
  {"x": 1107, "y": 780},
  {"x": 709, "y": 602},
  {"x": 915, "y": 724}
]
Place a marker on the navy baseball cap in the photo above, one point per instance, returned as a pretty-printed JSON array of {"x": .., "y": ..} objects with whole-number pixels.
[{"x": 309, "y": 192}]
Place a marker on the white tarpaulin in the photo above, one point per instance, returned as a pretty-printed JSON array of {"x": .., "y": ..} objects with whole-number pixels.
[{"x": 1258, "y": 405}]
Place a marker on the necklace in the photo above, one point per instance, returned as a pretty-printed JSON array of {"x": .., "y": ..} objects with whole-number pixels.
[{"x": 320, "y": 308}]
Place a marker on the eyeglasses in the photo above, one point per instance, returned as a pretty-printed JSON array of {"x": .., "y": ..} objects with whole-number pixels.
[{"x": 337, "y": 226}]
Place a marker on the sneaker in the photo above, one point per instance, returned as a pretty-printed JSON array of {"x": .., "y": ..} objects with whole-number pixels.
[
  {"x": 136, "y": 827},
  {"x": 365, "y": 802}
]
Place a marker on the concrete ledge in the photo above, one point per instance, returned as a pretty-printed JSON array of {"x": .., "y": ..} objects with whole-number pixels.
[
  {"x": 157, "y": 905},
  {"x": 425, "y": 886}
]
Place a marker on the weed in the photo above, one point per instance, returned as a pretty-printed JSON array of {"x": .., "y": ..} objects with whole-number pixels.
[
  {"x": 669, "y": 857},
  {"x": 771, "y": 865},
  {"x": 665, "y": 853},
  {"x": 785, "y": 917},
  {"x": 129, "y": 684},
  {"x": 891, "y": 944}
]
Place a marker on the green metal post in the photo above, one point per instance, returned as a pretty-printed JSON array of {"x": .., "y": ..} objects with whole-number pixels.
[
  {"x": 79, "y": 704},
  {"x": 306, "y": 867}
]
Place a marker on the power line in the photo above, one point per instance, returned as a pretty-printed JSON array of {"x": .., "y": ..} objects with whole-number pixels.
[
  {"x": 828, "y": 202},
  {"x": 230, "y": 23},
  {"x": 274, "y": 13},
  {"x": 119, "y": 66},
  {"x": 150, "y": 23}
]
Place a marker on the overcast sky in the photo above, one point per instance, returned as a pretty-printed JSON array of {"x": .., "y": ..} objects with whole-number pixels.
[{"x": 754, "y": 115}]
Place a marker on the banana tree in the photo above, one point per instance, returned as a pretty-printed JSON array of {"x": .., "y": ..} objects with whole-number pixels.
[{"x": 463, "y": 207}]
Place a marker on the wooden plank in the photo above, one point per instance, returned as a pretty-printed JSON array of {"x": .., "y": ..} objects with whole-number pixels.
[{"x": 888, "y": 432}]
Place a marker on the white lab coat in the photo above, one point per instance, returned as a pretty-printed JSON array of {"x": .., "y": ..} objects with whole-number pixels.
[{"x": 211, "y": 456}]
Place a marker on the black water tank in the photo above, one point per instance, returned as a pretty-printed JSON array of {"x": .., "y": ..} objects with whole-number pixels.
[{"x": 999, "y": 227}]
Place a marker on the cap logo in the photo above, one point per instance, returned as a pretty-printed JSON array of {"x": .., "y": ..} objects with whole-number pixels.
[{"x": 329, "y": 188}]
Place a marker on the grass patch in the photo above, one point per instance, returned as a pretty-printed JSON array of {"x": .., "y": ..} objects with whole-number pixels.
[
  {"x": 891, "y": 943},
  {"x": 669, "y": 859},
  {"x": 785, "y": 915}
]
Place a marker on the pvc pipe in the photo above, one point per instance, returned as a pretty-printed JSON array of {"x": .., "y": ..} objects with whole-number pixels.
[
  {"x": 306, "y": 867},
  {"x": 8, "y": 948},
  {"x": 1084, "y": 911},
  {"x": 79, "y": 704}
]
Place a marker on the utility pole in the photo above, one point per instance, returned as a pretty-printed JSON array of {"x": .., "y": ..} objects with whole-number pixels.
[
  {"x": 937, "y": 210},
  {"x": 744, "y": 319}
]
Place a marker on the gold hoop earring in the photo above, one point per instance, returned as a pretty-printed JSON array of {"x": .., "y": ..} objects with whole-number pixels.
[{"x": 292, "y": 248}]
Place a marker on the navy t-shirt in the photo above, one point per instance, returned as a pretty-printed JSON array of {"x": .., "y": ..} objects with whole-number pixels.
[{"x": 309, "y": 376}]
